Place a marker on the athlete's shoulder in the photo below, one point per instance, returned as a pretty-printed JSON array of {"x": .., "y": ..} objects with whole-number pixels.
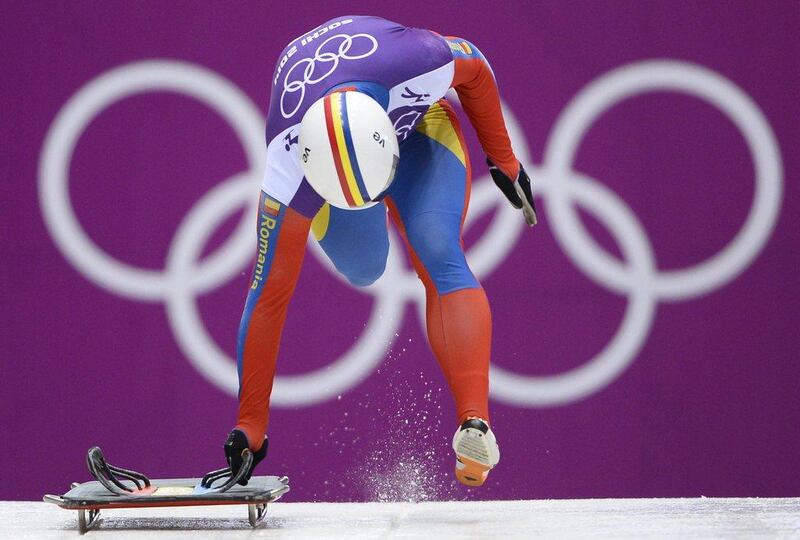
[{"x": 462, "y": 49}]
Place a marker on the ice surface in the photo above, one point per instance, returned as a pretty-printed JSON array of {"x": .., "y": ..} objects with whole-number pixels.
[{"x": 600, "y": 518}]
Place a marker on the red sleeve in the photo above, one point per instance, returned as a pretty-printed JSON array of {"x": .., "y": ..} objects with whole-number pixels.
[
  {"x": 475, "y": 85},
  {"x": 282, "y": 234}
]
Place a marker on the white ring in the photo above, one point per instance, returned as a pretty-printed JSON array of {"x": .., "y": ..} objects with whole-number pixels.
[
  {"x": 621, "y": 350},
  {"x": 110, "y": 87},
  {"x": 698, "y": 81}
]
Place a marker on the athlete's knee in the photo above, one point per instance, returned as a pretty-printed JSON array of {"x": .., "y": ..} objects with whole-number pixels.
[
  {"x": 362, "y": 272},
  {"x": 356, "y": 242},
  {"x": 433, "y": 246},
  {"x": 441, "y": 254}
]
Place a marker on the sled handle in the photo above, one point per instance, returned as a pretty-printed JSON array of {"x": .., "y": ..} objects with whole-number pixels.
[
  {"x": 213, "y": 476},
  {"x": 107, "y": 474}
]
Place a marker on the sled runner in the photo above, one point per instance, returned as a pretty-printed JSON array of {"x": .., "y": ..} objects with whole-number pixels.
[{"x": 122, "y": 488}]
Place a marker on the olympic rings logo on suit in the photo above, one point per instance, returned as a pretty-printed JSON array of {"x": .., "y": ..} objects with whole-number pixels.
[
  {"x": 561, "y": 187},
  {"x": 292, "y": 86}
]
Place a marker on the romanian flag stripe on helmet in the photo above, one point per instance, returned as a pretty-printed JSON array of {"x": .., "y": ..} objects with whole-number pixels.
[
  {"x": 343, "y": 153},
  {"x": 351, "y": 150},
  {"x": 337, "y": 160}
]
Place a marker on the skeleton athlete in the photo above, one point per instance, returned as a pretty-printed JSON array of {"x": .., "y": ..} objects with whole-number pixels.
[{"x": 407, "y": 71}]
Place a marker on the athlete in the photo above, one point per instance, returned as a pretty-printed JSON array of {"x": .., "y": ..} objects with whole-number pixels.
[{"x": 407, "y": 71}]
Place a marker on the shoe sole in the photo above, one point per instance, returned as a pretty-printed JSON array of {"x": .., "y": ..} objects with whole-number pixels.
[{"x": 471, "y": 457}]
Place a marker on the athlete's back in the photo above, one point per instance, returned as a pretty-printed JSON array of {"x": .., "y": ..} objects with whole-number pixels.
[
  {"x": 405, "y": 69},
  {"x": 360, "y": 49}
]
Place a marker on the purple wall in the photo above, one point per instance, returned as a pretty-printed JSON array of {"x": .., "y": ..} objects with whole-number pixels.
[{"x": 697, "y": 394}]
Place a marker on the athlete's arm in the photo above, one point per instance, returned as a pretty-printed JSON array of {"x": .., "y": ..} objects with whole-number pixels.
[
  {"x": 282, "y": 233},
  {"x": 474, "y": 82},
  {"x": 475, "y": 85}
]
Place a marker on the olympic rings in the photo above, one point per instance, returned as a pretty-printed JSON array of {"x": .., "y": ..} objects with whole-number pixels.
[
  {"x": 292, "y": 86},
  {"x": 184, "y": 277}
]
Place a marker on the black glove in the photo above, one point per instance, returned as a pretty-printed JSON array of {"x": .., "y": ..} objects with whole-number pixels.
[
  {"x": 234, "y": 445},
  {"x": 517, "y": 191}
]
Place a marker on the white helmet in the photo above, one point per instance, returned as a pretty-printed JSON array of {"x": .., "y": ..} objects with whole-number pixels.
[{"x": 348, "y": 149}]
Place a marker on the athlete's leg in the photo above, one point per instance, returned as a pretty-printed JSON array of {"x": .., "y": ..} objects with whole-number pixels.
[
  {"x": 356, "y": 241},
  {"x": 428, "y": 201},
  {"x": 282, "y": 234}
]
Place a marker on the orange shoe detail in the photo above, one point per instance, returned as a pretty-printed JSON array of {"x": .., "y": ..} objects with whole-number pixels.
[{"x": 471, "y": 473}]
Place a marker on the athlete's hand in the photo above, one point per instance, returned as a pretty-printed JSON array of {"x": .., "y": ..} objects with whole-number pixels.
[
  {"x": 517, "y": 190},
  {"x": 234, "y": 445}
]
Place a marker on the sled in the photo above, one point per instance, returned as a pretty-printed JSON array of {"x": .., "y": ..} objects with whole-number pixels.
[{"x": 117, "y": 488}]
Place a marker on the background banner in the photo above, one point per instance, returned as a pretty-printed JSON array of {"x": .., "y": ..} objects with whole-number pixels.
[{"x": 645, "y": 333}]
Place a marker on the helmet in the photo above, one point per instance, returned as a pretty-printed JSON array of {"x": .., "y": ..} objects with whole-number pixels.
[{"x": 348, "y": 149}]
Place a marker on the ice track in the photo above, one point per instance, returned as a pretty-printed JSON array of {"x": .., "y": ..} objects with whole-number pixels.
[{"x": 600, "y": 518}]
